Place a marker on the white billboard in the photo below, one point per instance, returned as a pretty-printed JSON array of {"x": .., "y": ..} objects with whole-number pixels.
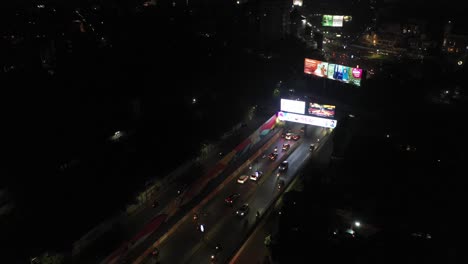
[
  {"x": 297, "y": 2},
  {"x": 338, "y": 21},
  {"x": 308, "y": 120},
  {"x": 293, "y": 106}
]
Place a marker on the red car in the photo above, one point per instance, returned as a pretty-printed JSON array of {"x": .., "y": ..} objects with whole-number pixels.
[
  {"x": 296, "y": 137},
  {"x": 273, "y": 156},
  {"x": 231, "y": 198}
]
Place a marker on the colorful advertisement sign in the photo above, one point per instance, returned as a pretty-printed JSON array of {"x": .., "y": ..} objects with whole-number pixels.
[
  {"x": 308, "y": 120},
  {"x": 344, "y": 74},
  {"x": 293, "y": 106},
  {"x": 332, "y": 21},
  {"x": 316, "y": 67},
  {"x": 333, "y": 71},
  {"x": 320, "y": 110}
]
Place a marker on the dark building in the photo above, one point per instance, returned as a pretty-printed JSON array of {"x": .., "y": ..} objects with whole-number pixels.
[
  {"x": 6, "y": 203},
  {"x": 455, "y": 41},
  {"x": 266, "y": 20},
  {"x": 296, "y": 26}
]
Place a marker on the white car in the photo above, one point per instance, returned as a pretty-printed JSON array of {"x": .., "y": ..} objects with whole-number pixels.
[
  {"x": 288, "y": 136},
  {"x": 256, "y": 175},
  {"x": 242, "y": 178}
]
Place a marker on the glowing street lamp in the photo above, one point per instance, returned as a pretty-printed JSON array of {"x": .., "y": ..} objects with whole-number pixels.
[{"x": 357, "y": 224}]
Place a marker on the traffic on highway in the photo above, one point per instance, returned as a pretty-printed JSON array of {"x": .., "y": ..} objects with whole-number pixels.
[{"x": 219, "y": 227}]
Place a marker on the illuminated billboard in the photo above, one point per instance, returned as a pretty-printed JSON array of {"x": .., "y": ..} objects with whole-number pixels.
[
  {"x": 316, "y": 67},
  {"x": 320, "y": 110},
  {"x": 293, "y": 106},
  {"x": 308, "y": 120},
  {"x": 344, "y": 74},
  {"x": 297, "y": 2},
  {"x": 333, "y": 71},
  {"x": 332, "y": 21}
]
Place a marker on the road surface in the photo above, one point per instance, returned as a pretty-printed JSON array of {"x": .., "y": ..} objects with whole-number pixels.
[
  {"x": 222, "y": 226},
  {"x": 254, "y": 249}
]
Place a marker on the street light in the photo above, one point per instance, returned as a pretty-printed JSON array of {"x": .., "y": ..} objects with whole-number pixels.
[{"x": 357, "y": 224}]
